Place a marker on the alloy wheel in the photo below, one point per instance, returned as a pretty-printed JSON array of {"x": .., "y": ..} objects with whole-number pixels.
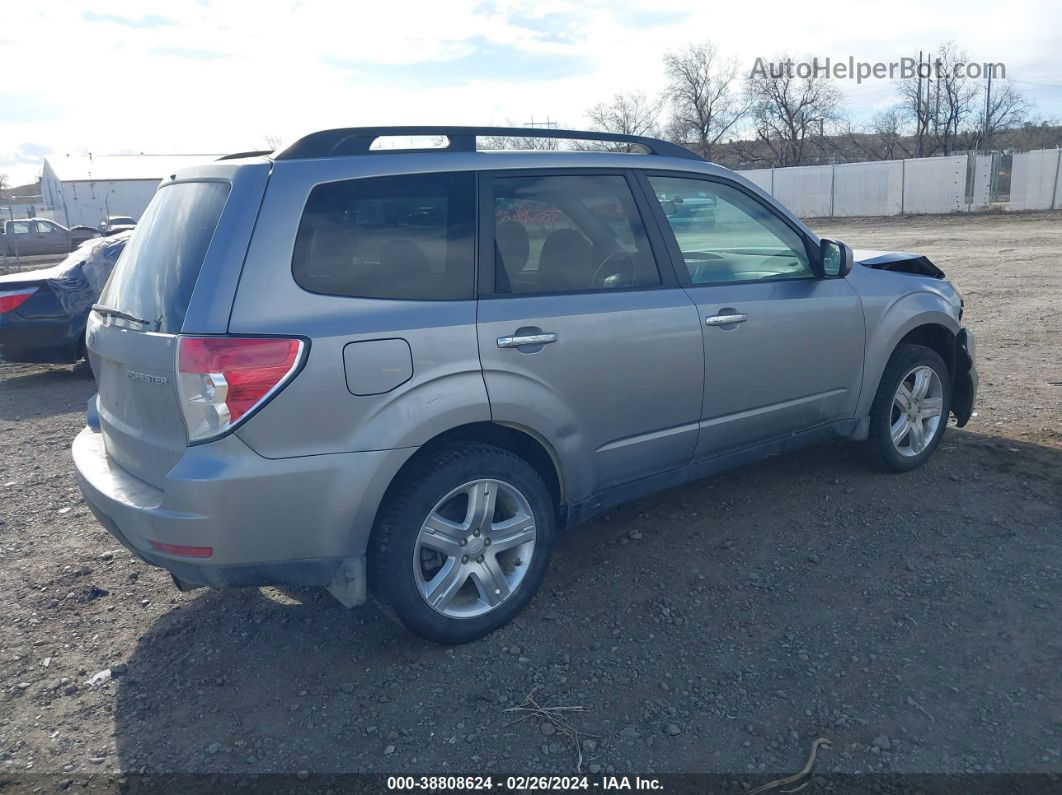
[
  {"x": 474, "y": 548},
  {"x": 917, "y": 410}
]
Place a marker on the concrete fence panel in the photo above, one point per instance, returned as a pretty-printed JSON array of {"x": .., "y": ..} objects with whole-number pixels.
[
  {"x": 762, "y": 177},
  {"x": 1056, "y": 203},
  {"x": 917, "y": 186},
  {"x": 934, "y": 185},
  {"x": 874, "y": 188},
  {"x": 806, "y": 190},
  {"x": 981, "y": 197},
  {"x": 1034, "y": 179}
]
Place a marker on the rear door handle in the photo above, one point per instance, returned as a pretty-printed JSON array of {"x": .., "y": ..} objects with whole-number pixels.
[
  {"x": 724, "y": 320},
  {"x": 527, "y": 339}
]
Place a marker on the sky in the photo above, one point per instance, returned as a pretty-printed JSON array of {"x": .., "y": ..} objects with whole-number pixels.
[{"x": 208, "y": 76}]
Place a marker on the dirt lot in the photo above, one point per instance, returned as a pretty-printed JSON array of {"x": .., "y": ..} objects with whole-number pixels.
[{"x": 914, "y": 620}]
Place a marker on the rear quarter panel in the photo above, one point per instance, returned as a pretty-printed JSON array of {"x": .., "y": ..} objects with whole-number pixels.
[{"x": 317, "y": 413}]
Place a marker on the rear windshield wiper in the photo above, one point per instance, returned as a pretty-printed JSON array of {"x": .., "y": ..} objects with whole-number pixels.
[{"x": 118, "y": 313}]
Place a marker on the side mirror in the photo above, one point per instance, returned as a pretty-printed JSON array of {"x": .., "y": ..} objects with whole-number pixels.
[{"x": 836, "y": 258}]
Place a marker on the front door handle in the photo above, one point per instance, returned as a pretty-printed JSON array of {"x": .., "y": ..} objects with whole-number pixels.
[
  {"x": 725, "y": 320},
  {"x": 527, "y": 339}
]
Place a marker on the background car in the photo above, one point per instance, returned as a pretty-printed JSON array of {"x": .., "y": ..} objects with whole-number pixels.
[
  {"x": 685, "y": 210},
  {"x": 116, "y": 223},
  {"x": 43, "y": 312},
  {"x": 32, "y": 236}
]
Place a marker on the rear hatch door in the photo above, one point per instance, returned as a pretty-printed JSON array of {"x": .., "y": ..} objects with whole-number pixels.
[{"x": 131, "y": 334}]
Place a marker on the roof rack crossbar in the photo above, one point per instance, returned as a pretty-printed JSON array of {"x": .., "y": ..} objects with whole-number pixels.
[{"x": 359, "y": 140}]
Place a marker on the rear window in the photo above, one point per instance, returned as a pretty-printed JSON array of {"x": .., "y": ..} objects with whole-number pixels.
[
  {"x": 156, "y": 273},
  {"x": 408, "y": 236}
]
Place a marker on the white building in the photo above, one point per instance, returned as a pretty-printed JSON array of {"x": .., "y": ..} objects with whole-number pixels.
[{"x": 85, "y": 190}]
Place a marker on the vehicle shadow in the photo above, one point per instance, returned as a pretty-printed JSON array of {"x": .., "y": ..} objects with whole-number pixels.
[
  {"x": 49, "y": 389},
  {"x": 804, "y": 595}
]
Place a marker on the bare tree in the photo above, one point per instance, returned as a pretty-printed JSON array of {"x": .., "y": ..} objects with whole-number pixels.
[
  {"x": 789, "y": 111},
  {"x": 955, "y": 98},
  {"x": 1033, "y": 134},
  {"x": 1005, "y": 108},
  {"x": 272, "y": 142},
  {"x": 519, "y": 142},
  {"x": 627, "y": 114},
  {"x": 888, "y": 128},
  {"x": 915, "y": 108},
  {"x": 5, "y": 183},
  {"x": 941, "y": 104},
  {"x": 704, "y": 103}
]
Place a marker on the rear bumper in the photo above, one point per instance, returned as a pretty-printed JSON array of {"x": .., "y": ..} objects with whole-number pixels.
[
  {"x": 964, "y": 384},
  {"x": 291, "y": 521}
]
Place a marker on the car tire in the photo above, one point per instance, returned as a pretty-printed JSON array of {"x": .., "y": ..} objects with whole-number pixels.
[
  {"x": 895, "y": 444},
  {"x": 430, "y": 509}
]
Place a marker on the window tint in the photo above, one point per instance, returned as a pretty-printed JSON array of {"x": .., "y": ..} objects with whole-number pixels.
[
  {"x": 569, "y": 233},
  {"x": 727, "y": 236},
  {"x": 158, "y": 269},
  {"x": 409, "y": 237}
]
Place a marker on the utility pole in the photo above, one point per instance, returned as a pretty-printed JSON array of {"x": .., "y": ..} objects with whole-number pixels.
[
  {"x": 988, "y": 105},
  {"x": 918, "y": 105},
  {"x": 936, "y": 105},
  {"x": 548, "y": 124}
]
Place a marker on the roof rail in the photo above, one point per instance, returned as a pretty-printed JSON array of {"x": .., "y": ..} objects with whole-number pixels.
[
  {"x": 358, "y": 140},
  {"x": 238, "y": 155}
]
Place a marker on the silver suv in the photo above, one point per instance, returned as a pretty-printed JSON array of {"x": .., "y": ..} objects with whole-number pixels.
[{"x": 401, "y": 372}]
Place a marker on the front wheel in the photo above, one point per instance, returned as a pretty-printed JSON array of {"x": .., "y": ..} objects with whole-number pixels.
[
  {"x": 462, "y": 543},
  {"x": 910, "y": 409}
]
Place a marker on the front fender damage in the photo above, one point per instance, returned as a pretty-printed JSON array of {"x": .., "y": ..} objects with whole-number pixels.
[{"x": 899, "y": 262}]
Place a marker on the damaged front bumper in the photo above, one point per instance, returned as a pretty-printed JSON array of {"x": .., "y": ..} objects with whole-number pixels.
[{"x": 964, "y": 382}]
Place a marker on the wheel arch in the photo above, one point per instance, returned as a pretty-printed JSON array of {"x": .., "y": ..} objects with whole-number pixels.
[
  {"x": 937, "y": 338},
  {"x": 931, "y": 327},
  {"x": 518, "y": 440}
]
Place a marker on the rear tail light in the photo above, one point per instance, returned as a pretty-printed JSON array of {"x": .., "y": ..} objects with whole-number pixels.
[
  {"x": 10, "y": 300},
  {"x": 222, "y": 380}
]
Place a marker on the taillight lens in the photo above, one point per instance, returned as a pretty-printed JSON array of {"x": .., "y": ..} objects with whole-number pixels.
[
  {"x": 10, "y": 300},
  {"x": 223, "y": 379}
]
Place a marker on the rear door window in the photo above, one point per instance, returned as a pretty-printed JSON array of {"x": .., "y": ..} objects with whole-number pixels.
[
  {"x": 157, "y": 272},
  {"x": 571, "y": 233},
  {"x": 408, "y": 236}
]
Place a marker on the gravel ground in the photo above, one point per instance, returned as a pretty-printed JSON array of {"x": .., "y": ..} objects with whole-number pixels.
[{"x": 913, "y": 620}]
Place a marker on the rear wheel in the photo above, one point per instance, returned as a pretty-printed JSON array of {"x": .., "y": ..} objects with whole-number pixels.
[
  {"x": 462, "y": 542},
  {"x": 910, "y": 409}
]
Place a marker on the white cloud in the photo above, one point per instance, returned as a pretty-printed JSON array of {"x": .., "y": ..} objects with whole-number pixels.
[{"x": 196, "y": 76}]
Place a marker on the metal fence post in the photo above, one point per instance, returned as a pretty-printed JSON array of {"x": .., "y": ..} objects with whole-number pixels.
[
  {"x": 1054, "y": 186},
  {"x": 833, "y": 186},
  {"x": 903, "y": 183}
]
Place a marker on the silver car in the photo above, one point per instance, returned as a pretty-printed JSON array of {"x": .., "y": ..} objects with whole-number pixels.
[{"x": 402, "y": 372}]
